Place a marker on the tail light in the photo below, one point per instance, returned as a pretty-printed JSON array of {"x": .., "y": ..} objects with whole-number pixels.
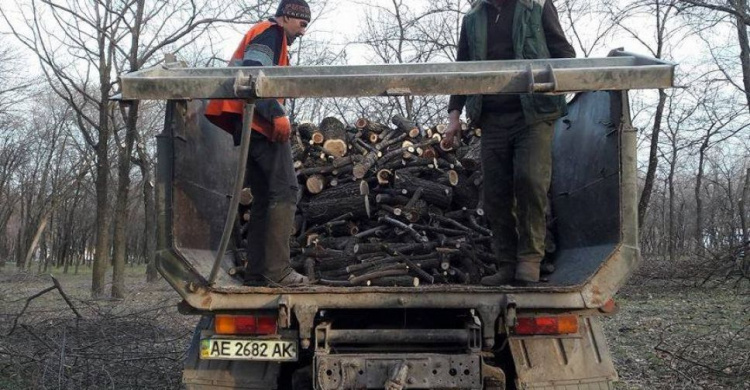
[
  {"x": 546, "y": 325},
  {"x": 247, "y": 324}
]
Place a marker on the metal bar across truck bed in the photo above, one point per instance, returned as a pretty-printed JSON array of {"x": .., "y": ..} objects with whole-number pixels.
[{"x": 620, "y": 71}]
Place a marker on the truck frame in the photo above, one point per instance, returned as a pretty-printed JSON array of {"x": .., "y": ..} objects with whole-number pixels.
[{"x": 436, "y": 336}]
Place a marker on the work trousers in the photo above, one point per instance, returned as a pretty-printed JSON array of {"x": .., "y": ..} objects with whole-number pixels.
[
  {"x": 273, "y": 183},
  {"x": 517, "y": 169}
]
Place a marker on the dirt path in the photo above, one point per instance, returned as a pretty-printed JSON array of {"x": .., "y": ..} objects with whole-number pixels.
[{"x": 667, "y": 335}]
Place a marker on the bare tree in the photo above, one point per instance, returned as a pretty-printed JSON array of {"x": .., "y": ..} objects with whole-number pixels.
[
  {"x": 76, "y": 48},
  {"x": 739, "y": 12},
  {"x": 679, "y": 114},
  {"x": 183, "y": 23},
  {"x": 403, "y": 33},
  {"x": 718, "y": 120},
  {"x": 586, "y": 22},
  {"x": 668, "y": 31}
]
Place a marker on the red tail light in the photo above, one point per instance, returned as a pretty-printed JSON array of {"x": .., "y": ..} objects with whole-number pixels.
[
  {"x": 548, "y": 325},
  {"x": 228, "y": 324}
]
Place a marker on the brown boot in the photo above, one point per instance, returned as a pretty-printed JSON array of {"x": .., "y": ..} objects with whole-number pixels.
[{"x": 503, "y": 276}]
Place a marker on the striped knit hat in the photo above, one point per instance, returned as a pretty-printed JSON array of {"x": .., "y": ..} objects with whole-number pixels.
[{"x": 294, "y": 8}]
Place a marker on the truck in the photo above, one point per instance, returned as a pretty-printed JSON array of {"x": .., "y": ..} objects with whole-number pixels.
[{"x": 472, "y": 337}]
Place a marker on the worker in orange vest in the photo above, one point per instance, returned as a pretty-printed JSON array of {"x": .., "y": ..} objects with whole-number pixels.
[{"x": 269, "y": 165}]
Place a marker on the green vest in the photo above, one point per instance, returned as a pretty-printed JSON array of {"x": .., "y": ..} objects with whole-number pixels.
[{"x": 528, "y": 43}]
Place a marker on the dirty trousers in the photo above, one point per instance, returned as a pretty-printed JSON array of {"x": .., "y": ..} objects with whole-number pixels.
[
  {"x": 270, "y": 174},
  {"x": 517, "y": 169}
]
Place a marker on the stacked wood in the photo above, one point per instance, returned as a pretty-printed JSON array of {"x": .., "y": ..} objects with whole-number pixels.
[{"x": 385, "y": 205}]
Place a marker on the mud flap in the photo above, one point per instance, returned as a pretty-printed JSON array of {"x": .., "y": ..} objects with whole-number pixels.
[
  {"x": 225, "y": 374},
  {"x": 578, "y": 362}
]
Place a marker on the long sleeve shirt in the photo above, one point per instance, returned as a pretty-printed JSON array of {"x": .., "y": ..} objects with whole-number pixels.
[
  {"x": 500, "y": 47},
  {"x": 264, "y": 50}
]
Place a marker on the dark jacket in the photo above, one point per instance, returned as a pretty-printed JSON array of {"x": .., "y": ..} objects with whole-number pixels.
[{"x": 519, "y": 29}]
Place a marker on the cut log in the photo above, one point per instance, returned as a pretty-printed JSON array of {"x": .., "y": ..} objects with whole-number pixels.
[
  {"x": 384, "y": 176},
  {"x": 321, "y": 210},
  {"x": 342, "y": 190},
  {"x": 471, "y": 155},
  {"x": 427, "y": 152},
  {"x": 336, "y": 139},
  {"x": 434, "y": 193},
  {"x": 306, "y": 131},
  {"x": 315, "y": 184},
  {"x": 391, "y": 199},
  {"x": 453, "y": 177},
  {"x": 360, "y": 169},
  {"x": 405, "y": 125},
  {"x": 416, "y": 212},
  {"x": 246, "y": 196},
  {"x": 366, "y": 125},
  {"x": 396, "y": 281}
]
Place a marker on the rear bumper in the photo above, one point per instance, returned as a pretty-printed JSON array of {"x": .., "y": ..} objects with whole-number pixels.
[{"x": 412, "y": 371}]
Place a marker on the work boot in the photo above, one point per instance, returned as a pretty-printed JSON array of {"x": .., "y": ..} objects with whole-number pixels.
[
  {"x": 294, "y": 278},
  {"x": 528, "y": 271},
  {"x": 504, "y": 275},
  {"x": 276, "y": 264}
]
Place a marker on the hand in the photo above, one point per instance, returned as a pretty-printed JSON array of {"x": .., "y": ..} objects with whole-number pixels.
[
  {"x": 452, "y": 135},
  {"x": 282, "y": 128}
]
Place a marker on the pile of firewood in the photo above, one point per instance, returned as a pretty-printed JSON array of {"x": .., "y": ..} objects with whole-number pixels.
[{"x": 387, "y": 205}]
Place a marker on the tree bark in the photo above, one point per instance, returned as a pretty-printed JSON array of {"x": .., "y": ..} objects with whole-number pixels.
[
  {"x": 653, "y": 160},
  {"x": 741, "y": 7},
  {"x": 125, "y": 153},
  {"x": 119, "y": 241},
  {"x": 699, "y": 198},
  {"x": 670, "y": 183},
  {"x": 743, "y": 211},
  {"x": 434, "y": 193}
]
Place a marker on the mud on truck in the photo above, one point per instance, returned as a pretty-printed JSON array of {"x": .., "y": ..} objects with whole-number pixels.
[{"x": 441, "y": 336}]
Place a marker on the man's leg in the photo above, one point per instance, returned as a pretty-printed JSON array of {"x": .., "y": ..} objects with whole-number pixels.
[
  {"x": 256, "y": 236},
  {"x": 497, "y": 169},
  {"x": 272, "y": 171},
  {"x": 532, "y": 174}
]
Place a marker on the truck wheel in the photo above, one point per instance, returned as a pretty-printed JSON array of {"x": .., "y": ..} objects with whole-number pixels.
[{"x": 302, "y": 379}]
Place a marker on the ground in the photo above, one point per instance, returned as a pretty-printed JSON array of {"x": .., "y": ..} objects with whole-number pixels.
[{"x": 668, "y": 334}]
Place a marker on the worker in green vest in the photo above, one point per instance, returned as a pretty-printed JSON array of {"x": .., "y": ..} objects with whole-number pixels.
[{"x": 516, "y": 129}]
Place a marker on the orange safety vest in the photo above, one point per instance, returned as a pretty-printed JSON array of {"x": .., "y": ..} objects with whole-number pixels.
[{"x": 223, "y": 113}]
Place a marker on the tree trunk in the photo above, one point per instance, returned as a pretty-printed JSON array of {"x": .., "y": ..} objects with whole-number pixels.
[
  {"x": 35, "y": 241},
  {"x": 101, "y": 256},
  {"x": 741, "y": 6},
  {"x": 670, "y": 184},
  {"x": 744, "y": 217},
  {"x": 119, "y": 242},
  {"x": 149, "y": 225},
  {"x": 699, "y": 199},
  {"x": 653, "y": 160}
]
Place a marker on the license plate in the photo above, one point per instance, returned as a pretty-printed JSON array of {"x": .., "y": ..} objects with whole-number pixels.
[{"x": 233, "y": 349}]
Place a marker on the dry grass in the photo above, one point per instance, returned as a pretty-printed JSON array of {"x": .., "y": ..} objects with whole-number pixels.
[
  {"x": 137, "y": 342},
  {"x": 669, "y": 334}
]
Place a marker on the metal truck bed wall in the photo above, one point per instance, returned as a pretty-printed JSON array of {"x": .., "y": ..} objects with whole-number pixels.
[{"x": 593, "y": 198}]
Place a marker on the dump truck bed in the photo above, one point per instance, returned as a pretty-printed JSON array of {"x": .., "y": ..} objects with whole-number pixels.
[
  {"x": 593, "y": 185},
  {"x": 593, "y": 198}
]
